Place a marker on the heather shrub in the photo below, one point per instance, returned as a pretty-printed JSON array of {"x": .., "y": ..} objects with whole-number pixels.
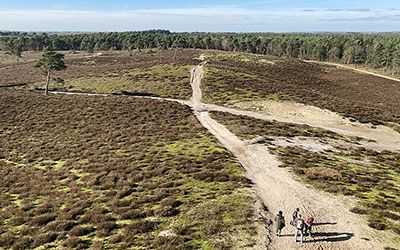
[{"x": 322, "y": 173}]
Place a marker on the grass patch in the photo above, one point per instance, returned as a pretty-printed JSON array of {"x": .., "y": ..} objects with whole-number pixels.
[
  {"x": 199, "y": 147},
  {"x": 161, "y": 80}
]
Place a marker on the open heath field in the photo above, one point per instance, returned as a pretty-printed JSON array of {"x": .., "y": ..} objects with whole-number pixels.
[
  {"x": 233, "y": 77},
  {"x": 117, "y": 173},
  {"x": 196, "y": 149}
]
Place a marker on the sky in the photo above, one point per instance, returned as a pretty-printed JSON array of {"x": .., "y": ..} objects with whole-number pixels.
[{"x": 206, "y": 15}]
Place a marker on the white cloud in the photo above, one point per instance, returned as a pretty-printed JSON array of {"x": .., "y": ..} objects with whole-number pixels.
[{"x": 200, "y": 19}]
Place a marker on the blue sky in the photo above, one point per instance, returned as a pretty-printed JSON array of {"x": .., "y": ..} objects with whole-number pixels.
[{"x": 188, "y": 15}]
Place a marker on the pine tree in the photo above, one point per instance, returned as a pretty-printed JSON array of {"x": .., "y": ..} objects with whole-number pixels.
[
  {"x": 378, "y": 56},
  {"x": 49, "y": 62}
]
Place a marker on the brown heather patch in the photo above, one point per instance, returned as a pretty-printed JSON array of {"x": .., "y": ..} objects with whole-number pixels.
[
  {"x": 84, "y": 172},
  {"x": 364, "y": 97},
  {"x": 165, "y": 73}
]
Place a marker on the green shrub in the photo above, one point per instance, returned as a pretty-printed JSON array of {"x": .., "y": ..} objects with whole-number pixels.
[
  {"x": 7, "y": 240},
  {"x": 359, "y": 210},
  {"x": 141, "y": 226},
  {"x": 396, "y": 228}
]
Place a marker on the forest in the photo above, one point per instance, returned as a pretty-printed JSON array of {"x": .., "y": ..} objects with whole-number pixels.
[{"x": 380, "y": 50}]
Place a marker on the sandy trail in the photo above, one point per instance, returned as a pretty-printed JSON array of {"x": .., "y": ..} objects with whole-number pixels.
[
  {"x": 354, "y": 69},
  {"x": 197, "y": 75},
  {"x": 338, "y": 228},
  {"x": 384, "y": 138}
]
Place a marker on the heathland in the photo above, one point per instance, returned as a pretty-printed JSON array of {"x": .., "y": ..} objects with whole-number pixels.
[{"x": 134, "y": 168}]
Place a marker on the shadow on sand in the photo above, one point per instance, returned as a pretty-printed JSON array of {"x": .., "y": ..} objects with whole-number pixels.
[
  {"x": 324, "y": 223},
  {"x": 126, "y": 93},
  {"x": 324, "y": 237},
  {"x": 330, "y": 237}
]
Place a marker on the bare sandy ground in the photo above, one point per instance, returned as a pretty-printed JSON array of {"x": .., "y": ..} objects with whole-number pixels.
[
  {"x": 310, "y": 144},
  {"x": 384, "y": 137}
]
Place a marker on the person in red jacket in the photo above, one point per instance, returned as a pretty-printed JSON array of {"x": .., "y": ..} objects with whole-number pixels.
[{"x": 308, "y": 225}]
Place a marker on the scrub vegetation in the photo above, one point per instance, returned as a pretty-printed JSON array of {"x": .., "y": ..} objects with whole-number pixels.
[
  {"x": 231, "y": 78},
  {"x": 162, "y": 73},
  {"x": 117, "y": 173},
  {"x": 162, "y": 80}
]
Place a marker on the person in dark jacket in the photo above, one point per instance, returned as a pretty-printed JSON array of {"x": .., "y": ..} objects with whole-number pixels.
[{"x": 279, "y": 223}]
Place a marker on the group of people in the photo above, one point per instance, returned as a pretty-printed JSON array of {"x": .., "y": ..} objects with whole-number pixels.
[{"x": 302, "y": 226}]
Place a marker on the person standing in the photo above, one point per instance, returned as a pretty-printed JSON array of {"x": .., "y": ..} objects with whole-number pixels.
[
  {"x": 295, "y": 215},
  {"x": 299, "y": 224},
  {"x": 308, "y": 226},
  {"x": 279, "y": 223}
]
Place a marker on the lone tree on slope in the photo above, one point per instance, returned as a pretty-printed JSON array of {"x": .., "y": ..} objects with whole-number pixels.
[{"x": 49, "y": 62}]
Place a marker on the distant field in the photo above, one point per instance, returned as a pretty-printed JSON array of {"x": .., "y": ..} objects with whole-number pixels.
[
  {"x": 232, "y": 78},
  {"x": 163, "y": 73},
  {"x": 117, "y": 173},
  {"x": 372, "y": 177},
  {"x": 30, "y": 56},
  {"x": 229, "y": 78}
]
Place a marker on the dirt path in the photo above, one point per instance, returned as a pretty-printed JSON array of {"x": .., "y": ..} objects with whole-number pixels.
[
  {"x": 183, "y": 102},
  {"x": 353, "y": 69},
  {"x": 197, "y": 75},
  {"x": 338, "y": 228},
  {"x": 383, "y": 138}
]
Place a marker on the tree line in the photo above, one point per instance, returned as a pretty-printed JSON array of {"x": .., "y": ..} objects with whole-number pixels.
[{"x": 376, "y": 50}]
